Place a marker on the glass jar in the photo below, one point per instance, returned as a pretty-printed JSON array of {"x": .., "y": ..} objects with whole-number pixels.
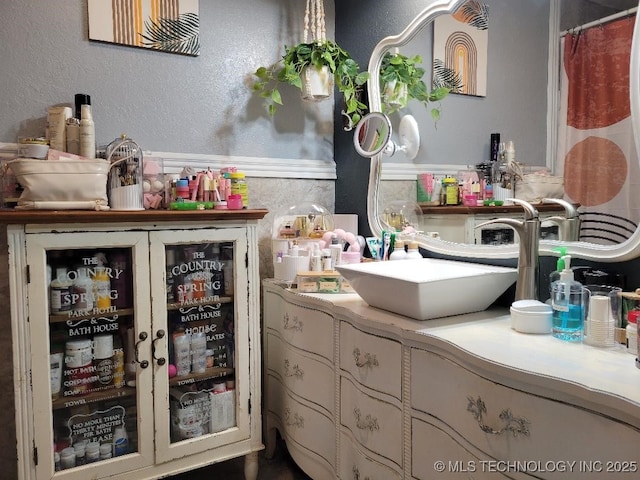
[
  {"x": 450, "y": 187},
  {"x": 239, "y": 187}
]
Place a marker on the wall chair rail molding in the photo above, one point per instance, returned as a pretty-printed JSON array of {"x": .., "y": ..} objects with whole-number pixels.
[{"x": 259, "y": 167}]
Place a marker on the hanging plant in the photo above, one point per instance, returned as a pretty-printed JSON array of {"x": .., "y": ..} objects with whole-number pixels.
[
  {"x": 318, "y": 54},
  {"x": 181, "y": 35},
  {"x": 399, "y": 73}
]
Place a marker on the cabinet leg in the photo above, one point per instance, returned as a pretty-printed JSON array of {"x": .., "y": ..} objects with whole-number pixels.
[{"x": 251, "y": 466}]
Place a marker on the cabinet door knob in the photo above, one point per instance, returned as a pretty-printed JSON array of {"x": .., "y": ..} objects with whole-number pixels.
[
  {"x": 161, "y": 361},
  {"x": 143, "y": 336}
]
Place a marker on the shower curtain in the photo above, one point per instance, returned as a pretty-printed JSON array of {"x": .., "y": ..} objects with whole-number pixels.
[{"x": 596, "y": 150}]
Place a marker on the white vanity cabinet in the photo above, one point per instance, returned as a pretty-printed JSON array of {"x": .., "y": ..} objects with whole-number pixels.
[
  {"x": 300, "y": 382},
  {"x": 139, "y": 332},
  {"x": 458, "y": 397}
]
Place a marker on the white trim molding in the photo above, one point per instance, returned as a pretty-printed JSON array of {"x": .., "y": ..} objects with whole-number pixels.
[{"x": 252, "y": 166}]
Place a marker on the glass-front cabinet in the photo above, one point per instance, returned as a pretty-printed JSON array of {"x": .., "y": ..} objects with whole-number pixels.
[{"x": 140, "y": 350}]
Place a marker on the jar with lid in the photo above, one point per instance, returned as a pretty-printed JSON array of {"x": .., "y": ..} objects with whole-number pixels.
[
  {"x": 239, "y": 187},
  {"x": 450, "y": 190},
  {"x": 632, "y": 331}
]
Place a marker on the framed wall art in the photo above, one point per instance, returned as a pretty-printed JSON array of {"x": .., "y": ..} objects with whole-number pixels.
[
  {"x": 460, "y": 43},
  {"x": 171, "y": 26}
]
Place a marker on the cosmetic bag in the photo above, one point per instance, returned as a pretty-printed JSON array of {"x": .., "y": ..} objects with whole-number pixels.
[
  {"x": 65, "y": 184},
  {"x": 533, "y": 187}
]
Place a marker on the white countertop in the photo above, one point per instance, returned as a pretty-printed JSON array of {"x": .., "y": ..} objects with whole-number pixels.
[{"x": 575, "y": 370}]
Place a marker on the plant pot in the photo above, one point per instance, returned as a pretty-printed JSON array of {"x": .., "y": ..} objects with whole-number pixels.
[
  {"x": 395, "y": 95},
  {"x": 317, "y": 84}
]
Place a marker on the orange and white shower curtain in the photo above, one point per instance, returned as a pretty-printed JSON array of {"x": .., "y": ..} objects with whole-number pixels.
[{"x": 596, "y": 150}]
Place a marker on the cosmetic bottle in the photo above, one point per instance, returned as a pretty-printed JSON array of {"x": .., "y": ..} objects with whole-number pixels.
[
  {"x": 398, "y": 251},
  {"x": 87, "y": 133},
  {"x": 566, "y": 301},
  {"x": 336, "y": 250},
  {"x": 413, "y": 251}
]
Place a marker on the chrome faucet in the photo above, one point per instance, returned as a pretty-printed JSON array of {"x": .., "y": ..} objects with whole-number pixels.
[
  {"x": 528, "y": 231},
  {"x": 569, "y": 225}
]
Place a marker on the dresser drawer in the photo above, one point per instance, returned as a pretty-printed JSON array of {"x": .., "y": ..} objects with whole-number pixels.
[
  {"x": 373, "y": 361},
  {"x": 375, "y": 424},
  {"x": 301, "y": 423},
  {"x": 557, "y": 432},
  {"x": 304, "y": 328},
  {"x": 356, "y": 465},
  {"x": 303, "y": 375},
  {"x": 435, "y": 454}
]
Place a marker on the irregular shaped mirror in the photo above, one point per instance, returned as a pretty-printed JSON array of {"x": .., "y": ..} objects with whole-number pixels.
[{"x": 627, "y": 249}]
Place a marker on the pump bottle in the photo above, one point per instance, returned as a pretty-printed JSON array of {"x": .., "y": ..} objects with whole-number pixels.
[{"x": 566, "y": 301}]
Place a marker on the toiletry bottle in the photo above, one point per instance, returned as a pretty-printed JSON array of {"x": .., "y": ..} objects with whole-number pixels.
[
  {"x": 315, "y": 260},
  {"x": 510, "y": 152},
  {"x": 398, "y": 251},
  {"x": 336, "y": 250},
  {"x": 566, "y": 301},
  {"x": 632, "y": 331},
  {"x": 87, "y": 133},
  {"x": 413, "y": 251}
]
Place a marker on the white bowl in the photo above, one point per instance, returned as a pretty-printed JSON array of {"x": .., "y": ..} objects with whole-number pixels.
[
  {"x": 531, "y": 316},
  {"x": 428, "y": 288}
]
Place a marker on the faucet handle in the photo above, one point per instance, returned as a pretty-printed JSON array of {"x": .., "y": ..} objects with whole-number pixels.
[{"x": 530, "y": 212}]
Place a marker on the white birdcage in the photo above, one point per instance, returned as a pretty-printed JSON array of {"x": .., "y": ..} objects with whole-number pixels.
[{"x": 125, "y": 177}]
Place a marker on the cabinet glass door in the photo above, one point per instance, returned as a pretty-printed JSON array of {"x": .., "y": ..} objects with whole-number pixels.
[
  {"x": 201, "y": 305},
  {"x": 91, "y": 325}
]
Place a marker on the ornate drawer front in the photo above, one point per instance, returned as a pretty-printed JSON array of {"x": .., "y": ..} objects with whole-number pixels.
[
  {"x": 507, "y": 424},
  {"x": 301, "y": 374},
  {"x": 375, "y": 424},
  {"x": 437, "y": 455},
  {"x": 304, "y": 328},
  {"x": 355, "y": 465},
  {"x": 302, "y": 424},
  {"x": 373, "y": 361}
]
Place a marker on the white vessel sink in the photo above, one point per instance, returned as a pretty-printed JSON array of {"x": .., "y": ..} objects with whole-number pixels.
[{"x": 428, "y": 288}]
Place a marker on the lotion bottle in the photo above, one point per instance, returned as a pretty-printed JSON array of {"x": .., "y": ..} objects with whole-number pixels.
[
  {"x": 398, "y": 251},
  {"x": 413, "y": 251},
  {"x": 566, "y": 301},
  {"x": 87, "y": 133}
]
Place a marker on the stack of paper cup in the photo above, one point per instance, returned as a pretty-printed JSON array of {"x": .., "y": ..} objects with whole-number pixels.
[
  {"x": 600, "y": 327},
  {"x": 288, "y": 267}
]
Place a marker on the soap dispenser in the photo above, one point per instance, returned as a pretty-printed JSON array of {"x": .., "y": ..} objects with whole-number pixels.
[
  {"x": 555, "y": 275},
  {"x": 567, "y": 304}
]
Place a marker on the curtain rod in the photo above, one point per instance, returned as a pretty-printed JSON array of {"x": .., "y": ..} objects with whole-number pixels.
[{"x": 595, "y": 23}]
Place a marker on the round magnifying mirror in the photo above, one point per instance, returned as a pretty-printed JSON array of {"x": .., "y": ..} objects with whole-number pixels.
[{"x": 372, "y": 134}]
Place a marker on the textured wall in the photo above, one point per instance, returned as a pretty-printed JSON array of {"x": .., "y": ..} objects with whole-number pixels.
[{"x": 166, "y": 102}]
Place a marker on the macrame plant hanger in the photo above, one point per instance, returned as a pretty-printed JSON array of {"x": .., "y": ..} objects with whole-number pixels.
[
  {"x": 317, "y": 84},
  {"x": 314, "y": 21}
]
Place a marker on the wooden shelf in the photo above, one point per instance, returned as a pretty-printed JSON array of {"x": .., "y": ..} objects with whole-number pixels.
[
  {"x": 210, "y": 373},
  {"x": 109, "y": 393}
]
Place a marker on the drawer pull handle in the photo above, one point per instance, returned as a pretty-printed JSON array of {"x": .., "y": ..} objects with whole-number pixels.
[
  {"x": 356, "y": 474},
  {"x": 366, "y": 360},
  {"x": 289, "y": 324},
  {"x": 511, "y": 424},
  {"x": 294, "y": 371},
  {"x": 293, "y": 421},
  {"x": 367, "y": 423}
]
